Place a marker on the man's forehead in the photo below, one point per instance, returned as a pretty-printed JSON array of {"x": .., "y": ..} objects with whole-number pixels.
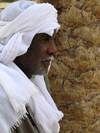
[{"x": 42, "y": 35}]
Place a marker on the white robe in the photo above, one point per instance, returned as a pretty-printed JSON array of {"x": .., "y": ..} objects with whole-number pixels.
[{"x": 19, "y": 23}]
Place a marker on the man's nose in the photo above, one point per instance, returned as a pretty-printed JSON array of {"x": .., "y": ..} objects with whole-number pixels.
[{"x": 52, "y": 49}]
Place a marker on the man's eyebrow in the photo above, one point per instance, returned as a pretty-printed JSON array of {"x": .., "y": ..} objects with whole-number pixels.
[{"x": 45, "y": 35}]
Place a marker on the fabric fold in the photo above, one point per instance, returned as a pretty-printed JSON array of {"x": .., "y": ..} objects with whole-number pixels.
[
  {"x": 45, "y": 115},
  {"x": 19, "y": 23}
]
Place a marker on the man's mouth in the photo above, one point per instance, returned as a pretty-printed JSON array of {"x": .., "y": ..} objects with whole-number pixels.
[{"x": 47, "y": 60}]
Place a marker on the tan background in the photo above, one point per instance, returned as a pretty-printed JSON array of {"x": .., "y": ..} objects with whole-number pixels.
[{"x": 75, "y": 73}]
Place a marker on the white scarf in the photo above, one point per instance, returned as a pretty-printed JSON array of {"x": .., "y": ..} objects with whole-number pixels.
[{"x": 19, "y": 22}]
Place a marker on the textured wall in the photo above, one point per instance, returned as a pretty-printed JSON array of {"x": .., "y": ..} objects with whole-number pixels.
[{"x": 75, "y": 73}]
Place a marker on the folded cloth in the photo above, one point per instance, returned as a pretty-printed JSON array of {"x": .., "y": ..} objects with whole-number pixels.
[
  {"x": 15, "y": 96},
  {"x": 19, "y": 23}
]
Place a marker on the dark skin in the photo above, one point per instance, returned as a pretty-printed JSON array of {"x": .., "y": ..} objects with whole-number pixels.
[
  {"x": 37, "y": 59},
  {"x": 31, "y": 62},
  {"x": 53, "y": 2}
]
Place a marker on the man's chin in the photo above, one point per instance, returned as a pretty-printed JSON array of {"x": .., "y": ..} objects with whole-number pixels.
[{"x": 42, "y": 72}]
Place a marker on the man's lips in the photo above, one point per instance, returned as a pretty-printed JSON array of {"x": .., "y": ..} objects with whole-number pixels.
[{"x": 47, "y": 60}]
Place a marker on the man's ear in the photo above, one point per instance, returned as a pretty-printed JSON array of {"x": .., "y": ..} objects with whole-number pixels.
[{"x": 53, "y": 2}]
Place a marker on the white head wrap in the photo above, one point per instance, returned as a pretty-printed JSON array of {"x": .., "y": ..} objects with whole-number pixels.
[{"x": 19, "y": 23}]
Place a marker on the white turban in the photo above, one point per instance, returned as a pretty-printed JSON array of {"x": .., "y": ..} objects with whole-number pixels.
[{"x": 19, "y": 23}]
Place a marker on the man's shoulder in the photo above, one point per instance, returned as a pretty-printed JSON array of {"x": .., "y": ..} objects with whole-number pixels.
[{"x": 3, "y": 96}]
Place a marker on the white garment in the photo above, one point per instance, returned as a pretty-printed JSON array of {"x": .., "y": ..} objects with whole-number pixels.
[
  {"x": 45, "y": 113},
  {"x": 19, "y": 22},
  {"x": 38, "y": 18}
]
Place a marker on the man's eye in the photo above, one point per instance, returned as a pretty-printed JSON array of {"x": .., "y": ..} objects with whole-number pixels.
[{"x": 45, "y": 40}]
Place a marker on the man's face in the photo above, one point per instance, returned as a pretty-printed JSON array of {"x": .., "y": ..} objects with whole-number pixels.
[{"x": 37, "y": 59}]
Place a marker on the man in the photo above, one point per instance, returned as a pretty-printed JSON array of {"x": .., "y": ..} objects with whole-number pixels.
[{"x": 27, "y": 32}]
